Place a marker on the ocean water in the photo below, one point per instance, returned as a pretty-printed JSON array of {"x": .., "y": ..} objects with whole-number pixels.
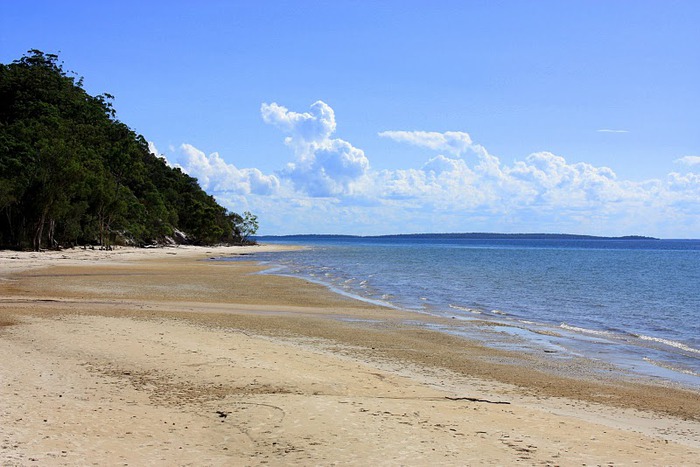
[{"x": 632, "y": 303}]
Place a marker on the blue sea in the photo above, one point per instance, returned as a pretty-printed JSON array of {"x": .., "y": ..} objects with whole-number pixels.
[{"x": 633, "y": 303}]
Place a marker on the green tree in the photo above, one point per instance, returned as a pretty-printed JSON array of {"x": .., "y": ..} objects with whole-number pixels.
[
  {"x": 71, "y": 173},
  {"x": 248, "y": 226}
]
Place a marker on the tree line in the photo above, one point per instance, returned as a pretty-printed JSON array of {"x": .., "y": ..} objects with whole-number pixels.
[{"x": 72, "y": 174}]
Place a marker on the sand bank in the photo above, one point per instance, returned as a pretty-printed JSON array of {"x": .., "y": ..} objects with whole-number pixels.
[{"x": 157, "y": 357}]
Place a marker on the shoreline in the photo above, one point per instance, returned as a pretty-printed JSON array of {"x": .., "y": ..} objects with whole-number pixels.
[
  {"x": 312, "y": 348},
  {"x": 641, "y": 354}
]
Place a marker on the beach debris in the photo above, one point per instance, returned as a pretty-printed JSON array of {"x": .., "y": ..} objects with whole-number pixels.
[
  {"x": 475, "y": 399},
  {"x": 222, "y": 414}
]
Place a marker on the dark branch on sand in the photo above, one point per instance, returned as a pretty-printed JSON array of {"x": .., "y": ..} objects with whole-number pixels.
[{"x": 474, "y": 399}]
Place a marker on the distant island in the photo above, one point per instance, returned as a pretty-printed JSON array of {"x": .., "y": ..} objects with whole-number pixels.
[
  {"x": 72, "y": 174},
  {"x": 471, "y": 235}
]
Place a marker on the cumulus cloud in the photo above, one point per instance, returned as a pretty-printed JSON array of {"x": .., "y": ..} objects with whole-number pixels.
[
  {"x": 688, "y": 183},
  {"x": 324, "y": 166},
  {"x": 454, "y": 142},
  {"x": 688, "y": 160},
  {"x": 153, "y": 149},
  {"x": 330, "y": 186},
  {"x": 314, "y": 126},
  {"x": 542, "y": 179},
  {"x": 550, "y": 171},
  {"x": 559, "y": 184},
  {"x": 441, "y": 164},
  {"x": 471, "y": 187},
  {"x": 217, "y": 176}
]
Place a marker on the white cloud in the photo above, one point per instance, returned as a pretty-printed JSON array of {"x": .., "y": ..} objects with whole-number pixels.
[
  {"x": 217, "y": 176},
  {"x": 688, "y": 184},
  {"x": 606, "y": 130},
  {"x": 324, "y": 166},
  {"x": 314, "y": 126},
  {"x": 476, "y": 191},
  {"x": 332, "y": 168},
  {"x": 688, "y": 160},
  {"x": 153, "y": 149},
  {"x": 454, "y": 142},
  {"x": 330, "y": 187},
  {"x": 441, "y": 164}
]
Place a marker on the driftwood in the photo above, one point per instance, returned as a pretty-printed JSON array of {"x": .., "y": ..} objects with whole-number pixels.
[{"x": 474, "y": 399}]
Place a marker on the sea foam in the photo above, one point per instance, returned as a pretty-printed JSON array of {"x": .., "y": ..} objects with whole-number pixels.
[{"x": 670, "y": 343}]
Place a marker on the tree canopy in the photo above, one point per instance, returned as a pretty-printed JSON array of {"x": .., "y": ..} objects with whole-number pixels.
[{"x": 72, "y": 174}]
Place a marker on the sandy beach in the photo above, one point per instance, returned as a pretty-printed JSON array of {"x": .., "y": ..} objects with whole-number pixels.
[{"x": 160, "y": 357}]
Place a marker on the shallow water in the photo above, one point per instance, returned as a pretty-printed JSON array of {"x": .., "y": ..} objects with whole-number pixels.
[{"x": 635, "y": 303}]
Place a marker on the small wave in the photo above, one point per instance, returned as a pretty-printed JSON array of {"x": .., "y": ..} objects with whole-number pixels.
[
  {"x": 671, "y": 367},
  {"x": 546, "y": 332},
  {"x": 498, "y": 312},
  {"x": 585, "y": 331},
  {"x": 468, "y": 310},
  {"x": 670, "y": 343}
]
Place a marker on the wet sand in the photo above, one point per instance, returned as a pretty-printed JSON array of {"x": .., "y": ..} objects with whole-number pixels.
[{"x": 160, "y": 357}]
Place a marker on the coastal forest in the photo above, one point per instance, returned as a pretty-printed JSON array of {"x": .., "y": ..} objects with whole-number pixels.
[{"x": 72, "y": 174}]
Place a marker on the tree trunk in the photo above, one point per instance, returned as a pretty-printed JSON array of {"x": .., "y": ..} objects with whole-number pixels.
[
  {"x": 13, "y": 236},
  {"x": 52, "y": 230},
  {"x": 101, "y": 223},
  {"x": 39, "y": 231}
]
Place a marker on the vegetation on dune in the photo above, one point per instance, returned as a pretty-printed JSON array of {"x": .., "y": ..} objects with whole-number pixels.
[{"x": 72, "y": 174}]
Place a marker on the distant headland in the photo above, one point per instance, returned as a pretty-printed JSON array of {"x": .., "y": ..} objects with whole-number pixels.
[{"x": 461, "y": 236}]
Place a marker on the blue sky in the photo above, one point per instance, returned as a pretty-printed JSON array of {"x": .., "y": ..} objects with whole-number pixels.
[{"x": 404, "y": 116}]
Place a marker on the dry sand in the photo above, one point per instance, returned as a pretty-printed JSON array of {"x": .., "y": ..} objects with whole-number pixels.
[{"x": 156, "y": 357}]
